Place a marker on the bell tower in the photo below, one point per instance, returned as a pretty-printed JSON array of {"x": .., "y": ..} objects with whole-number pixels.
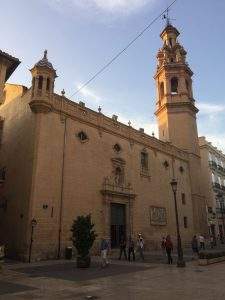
[
  {"x": 175, "y": 107},
  {"x": 176, "y": 113}
]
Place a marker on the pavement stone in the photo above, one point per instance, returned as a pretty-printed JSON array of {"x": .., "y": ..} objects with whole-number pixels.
[{"x": 120, "y": 281}]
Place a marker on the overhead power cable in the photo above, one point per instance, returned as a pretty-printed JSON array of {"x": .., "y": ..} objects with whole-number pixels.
[{"x": 123, "y": 50}]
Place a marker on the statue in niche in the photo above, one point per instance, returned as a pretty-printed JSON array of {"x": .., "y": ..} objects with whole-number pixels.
[{"x": 118, "y": 178}]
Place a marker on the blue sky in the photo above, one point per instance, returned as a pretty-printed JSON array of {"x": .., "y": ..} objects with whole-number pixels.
[{"x": 82, "y": 35}]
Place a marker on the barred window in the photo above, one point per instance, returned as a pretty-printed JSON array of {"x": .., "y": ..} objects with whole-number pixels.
[{"x": 144, "y": 160}]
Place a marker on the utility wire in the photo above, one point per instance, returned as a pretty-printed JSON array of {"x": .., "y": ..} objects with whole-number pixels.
[{"x": 123, "y": 50}]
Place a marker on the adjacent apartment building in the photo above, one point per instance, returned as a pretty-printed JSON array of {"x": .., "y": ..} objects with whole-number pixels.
[{"x": 213, "y": 174}]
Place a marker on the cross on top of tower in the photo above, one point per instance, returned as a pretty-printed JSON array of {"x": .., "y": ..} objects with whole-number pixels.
[
  {"x": 45, "y": 54},
  {"x": 167, "y": 17}
]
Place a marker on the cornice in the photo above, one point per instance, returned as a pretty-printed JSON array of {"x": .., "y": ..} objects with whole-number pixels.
[
  {"x": 169, "y": 67},
  {"x": 168, "y": 105},
  {"x": 213, "y": 150},
  {"x": 40, "y": 106},
  {"x": 102, "y": 123}
]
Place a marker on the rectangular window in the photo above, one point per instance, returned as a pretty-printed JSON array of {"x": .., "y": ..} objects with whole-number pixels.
[
  {"x": 144, "y": 161},
  {"x": 185, "y": 222},
  {"x": 183, "y": 198}
]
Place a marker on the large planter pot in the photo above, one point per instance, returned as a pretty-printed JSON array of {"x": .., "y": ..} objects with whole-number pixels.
[{"x": 83, "y": 262}]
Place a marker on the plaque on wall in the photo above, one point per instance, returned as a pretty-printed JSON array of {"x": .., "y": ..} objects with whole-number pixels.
[{"x": 157, "y": 215}]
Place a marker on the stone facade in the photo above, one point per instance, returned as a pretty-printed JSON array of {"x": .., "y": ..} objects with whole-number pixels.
[
  {"x": 213, "y": 174},
  {"x": 63, "y": 159}
]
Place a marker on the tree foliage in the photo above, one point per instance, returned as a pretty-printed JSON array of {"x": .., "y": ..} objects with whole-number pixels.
[{"x": 83, "y": 234}]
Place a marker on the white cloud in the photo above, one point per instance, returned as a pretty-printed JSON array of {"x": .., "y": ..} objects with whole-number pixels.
[
  {"x": 217, "y": 140},
  {"x": 121, "y": 5},
  {"x": 210, "y": 109},
  {"x": 106, "y": 6},
  {"x": 90, "y": 95},
  {"x": 92, "y": 100}
]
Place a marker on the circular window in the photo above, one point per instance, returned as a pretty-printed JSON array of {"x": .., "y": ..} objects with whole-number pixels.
[
  {"x": 117, "y": 148},
  {"x": 82, "y": 136}
]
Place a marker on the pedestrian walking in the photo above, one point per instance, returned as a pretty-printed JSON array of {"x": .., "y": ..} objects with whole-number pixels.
[
  {"x": 140, "y": 246},
  {"x": 169, "y": 249},
  {"x": 104, "y": 248},
  {"x": 123, "y": 247},
  {"x": 131, "y": 249},
  {"x": 194, "y": 246},
  {"x": 212, "y": 242},
  {"x": 201, "y": 242}
]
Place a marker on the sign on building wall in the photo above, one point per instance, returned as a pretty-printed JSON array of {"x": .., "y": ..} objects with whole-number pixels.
[{"x": 157, "y": 215}]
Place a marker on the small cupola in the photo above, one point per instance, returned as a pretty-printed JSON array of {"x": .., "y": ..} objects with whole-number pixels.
[{"x": 43, "y": 77}]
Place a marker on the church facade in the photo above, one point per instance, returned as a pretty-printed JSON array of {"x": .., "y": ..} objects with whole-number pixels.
[{"x": 61, "y": 159}]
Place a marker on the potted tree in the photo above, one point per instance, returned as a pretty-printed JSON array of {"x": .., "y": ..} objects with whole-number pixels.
[{"x": 83, "y": 237}]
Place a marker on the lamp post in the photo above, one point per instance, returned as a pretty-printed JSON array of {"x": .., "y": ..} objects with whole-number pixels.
[
  {"x": 33, "y": 224},
  {"x": 180, "y": 260},
  {"x": 220, "y": 198}
]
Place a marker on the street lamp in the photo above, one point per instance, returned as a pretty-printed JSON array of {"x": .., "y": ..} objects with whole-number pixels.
[
  {"x": 220, "y": 198},
  {"x": 180, "y": 260},
  {"x": 33, "y": 224}
]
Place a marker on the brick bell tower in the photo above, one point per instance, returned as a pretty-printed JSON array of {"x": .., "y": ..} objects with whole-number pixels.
[
  {"x": 175, "y": 108},
  {"x": 176, "y": 113}
]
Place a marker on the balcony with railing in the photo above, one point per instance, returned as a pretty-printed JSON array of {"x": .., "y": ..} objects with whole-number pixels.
[
  {"x": 214, "y": 166},
  {"x": 220, "y": 212},
  {"x": 218, "y": 187}
]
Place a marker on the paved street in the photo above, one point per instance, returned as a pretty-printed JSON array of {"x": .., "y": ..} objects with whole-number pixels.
[{"x": 121, "y": 280}]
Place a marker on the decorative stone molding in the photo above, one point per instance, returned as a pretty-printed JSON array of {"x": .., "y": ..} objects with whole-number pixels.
[
  {"x": 40, "y": 106},
  {"x": 106, "y": 124},
  {"x": 110, "y": 188}
]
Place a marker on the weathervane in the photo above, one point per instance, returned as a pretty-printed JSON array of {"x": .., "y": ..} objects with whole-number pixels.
[{"x": 167, "y": 17}]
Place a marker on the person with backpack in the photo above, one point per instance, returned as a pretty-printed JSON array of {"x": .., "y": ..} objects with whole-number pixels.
[{"x": 169, "y": 249}]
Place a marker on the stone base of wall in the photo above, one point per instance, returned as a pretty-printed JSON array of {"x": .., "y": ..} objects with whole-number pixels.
[{"x": 205, "y": 262}]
